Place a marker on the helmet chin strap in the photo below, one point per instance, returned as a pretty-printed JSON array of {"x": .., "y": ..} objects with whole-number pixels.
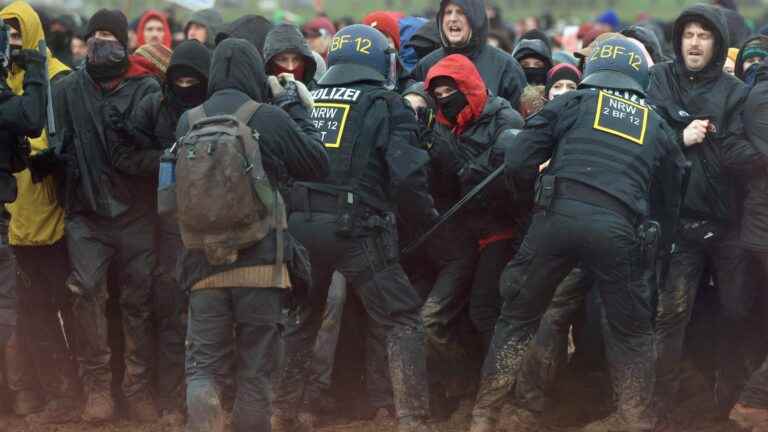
[{"x": 391, "y": 83}]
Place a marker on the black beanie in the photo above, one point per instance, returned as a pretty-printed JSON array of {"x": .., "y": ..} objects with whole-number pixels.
[{"x": 112, "y": 21}]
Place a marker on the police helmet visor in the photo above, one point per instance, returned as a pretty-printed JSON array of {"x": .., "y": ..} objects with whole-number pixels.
[
  {"x": 345, "y": 73},
  {"x": 611, "y": 80}
]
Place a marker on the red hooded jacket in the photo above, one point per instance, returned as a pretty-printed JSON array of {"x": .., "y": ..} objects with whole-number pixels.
[
  {"x": 468, "y": 81},
  {"x": 157, "y": 15}
]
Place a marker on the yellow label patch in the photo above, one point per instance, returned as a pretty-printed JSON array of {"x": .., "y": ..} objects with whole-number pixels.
[
  {"x": 330, "y": 119},
  {"x": 621, "y": 117}
]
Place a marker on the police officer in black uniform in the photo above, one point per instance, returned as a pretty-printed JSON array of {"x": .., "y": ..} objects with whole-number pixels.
[
  {"x": 606, "y": 145},
  {"x": 348, "y": 222}
]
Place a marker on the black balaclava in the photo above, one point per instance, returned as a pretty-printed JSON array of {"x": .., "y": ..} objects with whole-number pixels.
[
  {"x": 536, "y": 76},
  {"x": 451, "y": 106},
  {"x": 187, "y": 97}
]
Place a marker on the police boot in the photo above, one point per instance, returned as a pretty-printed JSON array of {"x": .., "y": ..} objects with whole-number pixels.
[
  {"x": 57, "y": 411},
  {"x": 141, "y": 408},
  {"x": 747, "y": 417},
  {"x": 482, "y": 424},
  {"x": 614, "y": 423},
  {"x": 99, "y": 406},
  {"x": 412, "y": 424}
]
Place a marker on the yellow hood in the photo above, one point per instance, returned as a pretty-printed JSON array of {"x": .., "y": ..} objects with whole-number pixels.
[{"x": 36, "y": 217}]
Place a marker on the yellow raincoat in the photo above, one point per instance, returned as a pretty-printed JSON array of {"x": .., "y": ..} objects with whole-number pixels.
[{"x": 36, "y": 217}]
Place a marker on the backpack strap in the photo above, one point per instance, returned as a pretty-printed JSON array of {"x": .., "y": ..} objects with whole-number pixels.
[
  {"x": 247, "y": 110},
  {"x": 195, "y": 115}
]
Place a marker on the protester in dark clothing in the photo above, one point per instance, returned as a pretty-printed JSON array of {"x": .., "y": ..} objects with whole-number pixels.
[
  {"x": 751, "y": 411},
  {"x": 59, "y": 37},
  {"x": 469, "y": 123},
  {"x": 202, "y": 26},
  {"x": 463, "y": 29},
  {"x": 108, "y": 219},
  {"x": 753, "y": 52},
  {"x": 535, "y": 57},
  {"x": 253, "y": 28},
  {"x": 152, "y": 130},
  {"x": 290, "y": 147},
  {"x": 286, "y": 51},
  {"x": 703, "y": 105}
]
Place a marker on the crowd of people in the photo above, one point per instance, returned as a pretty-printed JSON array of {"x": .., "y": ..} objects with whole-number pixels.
[{"x": 256, "y": 222}]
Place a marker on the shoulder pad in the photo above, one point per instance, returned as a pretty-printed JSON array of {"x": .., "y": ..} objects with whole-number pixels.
[{"x": 554, "y": 108}]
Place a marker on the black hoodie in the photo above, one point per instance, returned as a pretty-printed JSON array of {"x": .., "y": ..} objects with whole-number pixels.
[
  {"x": 289, "y": 142},
  {"x": 682, "y": 96},
  {"x": 649, "y": 39},
  {"x": 253, "y": 28},
  {"x": 288, "y": 37},
  {"x": 502, "y": 74},
  {"x": 209, "y": 18},
  {"x": 754, "y": 226}
]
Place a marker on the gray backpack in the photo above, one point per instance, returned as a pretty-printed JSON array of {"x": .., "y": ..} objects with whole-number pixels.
[{"x": 225, "y": 201}]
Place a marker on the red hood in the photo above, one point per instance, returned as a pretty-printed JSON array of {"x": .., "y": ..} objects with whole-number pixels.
[
  {"x": 468, "y": 81},
  {"x": 154, "y": 14}
]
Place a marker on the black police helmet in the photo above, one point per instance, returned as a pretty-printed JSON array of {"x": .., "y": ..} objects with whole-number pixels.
[
  {"x": 617, "y": 63},
  {"x": 357, "y": 53}
]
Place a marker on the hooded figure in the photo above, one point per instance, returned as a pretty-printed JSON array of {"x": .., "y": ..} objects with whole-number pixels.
[
  {"x": 501, "y": 73},
  {"x": 649, "y": 40},
  {"x": 755, "y": 48},
  {"x": 408, "y": 28},
  {"x": 253, "y": 28},
  {"x": 424, "y": 41},
  {"x": 703, "y": 107},
  {"x": 290, "y": 147},
  {"x": 537, "y": 49},
  {"x": 210, "y": 19},
  {"x": 287, "y": 38},
  {"x": 109, "y": 218},
  {"x": 154, "y": 15},
  {"x": 36, "y": 234},
  {"x": 469, "y": 123}
]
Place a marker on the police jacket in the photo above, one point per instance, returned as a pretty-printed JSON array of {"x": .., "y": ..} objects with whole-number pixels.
[
  {"x": 611, "y": 141},
  {"x": 95, "y": 186},
  {"x": 290, "y": 147},
  {"x": 682, "y": 96},
  {"x": 502, "y": 74},
  {"x": 371, "y": 139},
  {"x": 754, "y": 226}
]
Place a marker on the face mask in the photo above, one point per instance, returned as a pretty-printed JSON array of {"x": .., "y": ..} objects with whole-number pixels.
[
  {"x": 298, "y": 72},
  {"x": 750, "y": 75},
  {"x": 536, "y": 76},
  {"x": 452, "y": 105},
  {"x": 58, "y": 41},
  {"x": 191, "y": 96},
  {"x": 107, "y": 59}
]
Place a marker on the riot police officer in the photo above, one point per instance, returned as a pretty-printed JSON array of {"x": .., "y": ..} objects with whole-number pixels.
[
  {"x": 606, "y": 145},
  {"x": 348, "y": 222}
]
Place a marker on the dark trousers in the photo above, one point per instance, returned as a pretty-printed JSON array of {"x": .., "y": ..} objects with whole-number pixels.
[
  {"x": 42, "y": 296},
  {"x": 606, "y": 243},
  {"x": 95, "y": 244},
  {"x": 389, "y": 299},
  {"x": 485, "y": 299},
  {"x": 676, "y": 298},
  {"x": 224, "y": 324},
  {"x": 170, "y": 311}
]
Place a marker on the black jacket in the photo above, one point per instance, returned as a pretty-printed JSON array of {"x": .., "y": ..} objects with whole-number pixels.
[
  {"x": 209, "y": 18},
  {"x": 754, "y": 226},
  {"x": 459, "y": 163},
  {"x": 682, "y": 96},
  {"x": 288, "y": 37},
  {"x": 502, "y": 74},
  {"x": 290, "y": 144},
  {"x": 253, "y": 28},
  {"x": 95, "y": 187}
]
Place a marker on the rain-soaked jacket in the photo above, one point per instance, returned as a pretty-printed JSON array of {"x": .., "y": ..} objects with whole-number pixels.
[
  {"x": 501, "y": 73},
  {"x": 682, "y": 96},
  {"x": 290, "y": 147},
  {"x": 36, "y": 217}
]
